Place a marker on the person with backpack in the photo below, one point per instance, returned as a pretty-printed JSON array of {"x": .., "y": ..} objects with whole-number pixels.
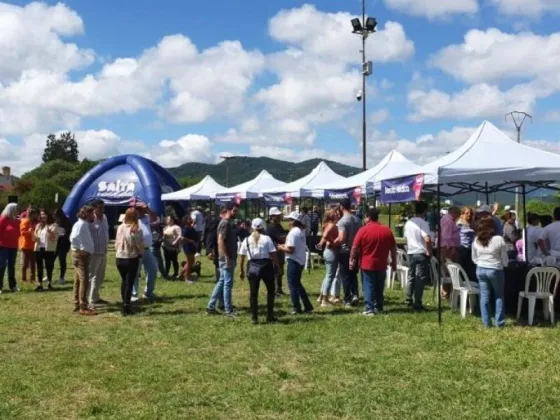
[{"x": 259, "y": 249}]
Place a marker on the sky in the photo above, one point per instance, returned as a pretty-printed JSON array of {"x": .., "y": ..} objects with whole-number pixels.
[{"x": 189, "y": 81}]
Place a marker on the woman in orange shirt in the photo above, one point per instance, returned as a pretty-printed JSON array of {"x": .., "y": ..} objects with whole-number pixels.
[{"x": 27, "y": 243}]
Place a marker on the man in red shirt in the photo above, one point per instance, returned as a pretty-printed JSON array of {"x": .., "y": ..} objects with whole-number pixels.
[{"x": 371, "y": 247}]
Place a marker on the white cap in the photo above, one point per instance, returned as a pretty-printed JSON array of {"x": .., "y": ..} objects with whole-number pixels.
[
  {"x": 295, "y": 216},
  {"x": 274, "y": 211},
  {"x": 506, "y": 208},
  {"x": 257, "y": 224}
]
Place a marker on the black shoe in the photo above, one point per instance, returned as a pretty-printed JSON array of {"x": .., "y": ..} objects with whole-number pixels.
[
  {"x": 308, "y": 311},
  {"x": 419, "y": 308},
  {"x": 280, "y": 292},
  {"x": 211, "y": 311},
  {"x": 408, "y": 302},
  {"x": 255, "y": 321},
  {"x": 294, "y": 312},
  {"x": 49, "y": 286},
  {"x": 272, "y": 320},
  {"x": 39, "y": 288}
]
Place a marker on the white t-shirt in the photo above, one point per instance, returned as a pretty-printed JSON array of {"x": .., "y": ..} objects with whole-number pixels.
[
  {"x": 416, "y": 230},
  {"x": 551, "y": 234},
  {"x": 296, "y": 239},
  {"x": 259, "y": 251},
  {"x": 533, "y": 235},
  {"x": 493, "y": 256},
  {"x": 198, "y": 221}
]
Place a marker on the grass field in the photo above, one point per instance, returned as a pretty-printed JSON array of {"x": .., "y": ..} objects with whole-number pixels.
[{"x": 173, "y": 362}]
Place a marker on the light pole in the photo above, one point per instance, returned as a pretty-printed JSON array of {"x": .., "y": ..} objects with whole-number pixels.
[
  {"x": 227, "y": 159},
  {"x": 363, "y": 28},
  {"x": 518, "y": 118}
]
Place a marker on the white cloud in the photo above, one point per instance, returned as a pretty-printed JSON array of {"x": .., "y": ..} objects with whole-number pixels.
[
  {"x": 379, "y": 116},
  {"x": 492, "y": 55},
  {"x": 552, "y": 116},
  {"x": 433, "y": 9},
  {"x": 98, "y": 144},
  {"x": 475, "y": 102},
  {"x": 531, "y": 9},
  {"x": 189, "y": 148}
]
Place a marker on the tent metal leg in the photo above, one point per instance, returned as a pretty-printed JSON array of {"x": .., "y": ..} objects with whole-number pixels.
[{"x": 438, "y": 210}]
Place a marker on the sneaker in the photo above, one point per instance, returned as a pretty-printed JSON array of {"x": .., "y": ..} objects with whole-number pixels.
[
  {"x": 134, "y": 299},
  {"x": 355, "y": 300},
  {"x": 87, "y": 312},
  {"x": 334, "y": 301},
  {"x": 39, "y": 289},
  {"x": 347, "y": 305},
  {"x": 1, "y": 292},
  {"x": 325, "y": 304},
  {"x": 49, "y": 286},
  {"x": 320, "y": 299},
  {"x": 231, "y": 315},
  {"x": 368, "y": 313},
  {"x": 211, "y": 311},
  {"x": 14, "y": 289},
  {"x": 61, "y": 281}
]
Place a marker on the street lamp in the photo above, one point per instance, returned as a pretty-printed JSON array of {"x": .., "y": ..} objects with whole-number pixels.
[
  {"x": 363, "y": 28},
  {"x": 227, "y": 159}
]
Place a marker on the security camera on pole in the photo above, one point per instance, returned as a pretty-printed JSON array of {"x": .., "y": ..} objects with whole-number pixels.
[{"x": 363, "y": 28}]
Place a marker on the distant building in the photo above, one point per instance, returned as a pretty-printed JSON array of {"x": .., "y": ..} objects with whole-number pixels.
[{"x": 7, "y": 180}]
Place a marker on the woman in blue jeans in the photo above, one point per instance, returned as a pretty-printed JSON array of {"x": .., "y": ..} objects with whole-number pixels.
[
  {"x": 489, "y": 253},
  {"x": 330, "y": 255}
]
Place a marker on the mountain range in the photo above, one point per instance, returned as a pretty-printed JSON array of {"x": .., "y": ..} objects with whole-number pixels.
[{"x": 242, "y": 169}]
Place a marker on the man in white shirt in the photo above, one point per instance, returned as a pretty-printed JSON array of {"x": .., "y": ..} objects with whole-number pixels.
[
  {"x": 549, "y": 241},
  {"x": 198, "y": 224},
  {"x": 82, "y": 247},
  {"x": 419, "y": 248},
  {"x": 98, "y": 262}
]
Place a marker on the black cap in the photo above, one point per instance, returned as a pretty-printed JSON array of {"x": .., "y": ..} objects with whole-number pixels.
[{"x": 345, "y": 203}]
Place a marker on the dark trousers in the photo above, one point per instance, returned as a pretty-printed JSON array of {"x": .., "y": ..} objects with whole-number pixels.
[
  {"x": 297, "y": 291},
  {"x": 349, "y": 277},
  {"x": 199, "y": 242},
  {"x": 267, "y": 276},
  {"x": 61, "y": 253},
  {"x": 418, "y": 277},
  {"x": 279, "y": 272},
  {"x": 128, "y": 269},
  {"x": 373, "y": 284},
  {"x": 156, "y": 251},
  {"x": 44, "y": 260},
  {"x": 8, "y": 260},
  {"x": 171, "y": 258},
  {"x": 465, "y": 259}
]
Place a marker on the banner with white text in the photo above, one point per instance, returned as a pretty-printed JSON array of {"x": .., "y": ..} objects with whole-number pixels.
[{"x": 402, "y": 190}]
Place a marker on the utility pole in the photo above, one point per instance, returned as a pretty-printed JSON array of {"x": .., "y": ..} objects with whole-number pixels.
[
  {"x": 364, "y": 28},
  {"x": 227, "y": 159},
  {"x": 518, "y": 118}
]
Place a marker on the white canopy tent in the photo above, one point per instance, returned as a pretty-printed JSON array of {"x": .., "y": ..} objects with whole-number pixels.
[
  {"x": 306, "y": 186},
  {"x": 391, "y": 166},
  {"x": 253, "y": 188},
  {"x": 206, "y": 189}
]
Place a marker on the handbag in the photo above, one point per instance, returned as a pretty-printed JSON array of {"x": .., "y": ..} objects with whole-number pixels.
[{"x": 255, "y": 268}]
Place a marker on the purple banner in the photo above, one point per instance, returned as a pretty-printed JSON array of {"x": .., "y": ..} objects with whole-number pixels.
[
  {"x": 352, "y": 194},
  {"x": 402, "y": 190}
]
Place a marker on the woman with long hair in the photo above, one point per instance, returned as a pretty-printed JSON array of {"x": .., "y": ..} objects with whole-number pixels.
[
  {"x": 295, "y": 249},
  {"x": 171, "y": 246},
  {"x": 63, "y": 244},
  {"x": 489, "y": 253},
  {"x": 330, "y": 255},
  {"x": 467, "y": 233},
  {"x": 190, "y": 246},
  {"x": 259, "y": 249},
  {"x": 27, "y": 243},
  {"x": 9, "y": 237},
  {"x": 46, "y": 239},
  {"x": 129, "y": 248}
]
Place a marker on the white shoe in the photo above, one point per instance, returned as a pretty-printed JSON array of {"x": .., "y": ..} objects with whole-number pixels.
[
  {"x": 134, "y": 299},
  {"x": 325, "y": 304}
]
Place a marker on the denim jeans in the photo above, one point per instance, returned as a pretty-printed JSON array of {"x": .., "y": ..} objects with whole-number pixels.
[
  {"x": 335, "y": 288},
  {"x": 373, "y": 285},
  {"x": 297, "y": 291},
  {"x": 148, "y": 261},
  {"x": 491, "y": 281},
  {"x": 156, "y": 252},
  {"x": 223, "y": 288},
  {"x": 331, "y": 265},
  {"x": 349, "y": 277},
  {"x": 418, "y": 277},
  {"x": 8, "y": 260}
]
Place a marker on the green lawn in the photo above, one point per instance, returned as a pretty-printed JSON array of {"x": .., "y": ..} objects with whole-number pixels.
[{"x": 174, "y": 362}]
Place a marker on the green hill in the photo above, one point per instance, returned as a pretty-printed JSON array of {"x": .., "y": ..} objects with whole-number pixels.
[{"x": 242, "y": 169}]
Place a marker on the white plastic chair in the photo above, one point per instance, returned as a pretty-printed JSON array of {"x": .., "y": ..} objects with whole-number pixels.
[
  {"x": 545, "y": 278},
  {"x": 462, "y": 288},
  {"x": 434, "y": 271},
  {"x": 389, "y": 278},
  {"x": 402, "y": 258}
]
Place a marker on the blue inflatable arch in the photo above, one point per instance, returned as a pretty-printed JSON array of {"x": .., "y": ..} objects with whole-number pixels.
[{"x": 120, "y": 180}]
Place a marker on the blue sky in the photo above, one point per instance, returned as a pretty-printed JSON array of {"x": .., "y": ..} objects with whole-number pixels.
[{"x": 181, "y": 81}]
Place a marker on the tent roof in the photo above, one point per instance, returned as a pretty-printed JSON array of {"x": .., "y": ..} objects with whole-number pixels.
[
  {"x": 206, "y": 189},
  {"x": 304, "y": 187},
  {"x": 393, "y": 165},
  {"x": 491, "y": 156},
  {"x": 253, "y": 188}
]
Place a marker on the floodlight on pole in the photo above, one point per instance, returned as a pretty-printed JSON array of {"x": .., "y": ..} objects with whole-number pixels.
[
  {"x": 518, "y": 118},
  {"x": 363, "y": 28},
  {"x": 227, "y": 159}
]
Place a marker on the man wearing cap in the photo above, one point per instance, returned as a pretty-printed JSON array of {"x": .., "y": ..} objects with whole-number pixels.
[
  {"x": 227, "y": 255},
  {"x": 278, "y": 235},
  {"x": 148, "y": 260},
  {"x": 348, "y": 226},
  {"x": 484, "y": 211}
]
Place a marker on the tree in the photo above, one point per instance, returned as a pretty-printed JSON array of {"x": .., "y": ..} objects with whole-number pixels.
[
  {"x": 63, "y": 148},
  {"x": 43, "y": 195}
]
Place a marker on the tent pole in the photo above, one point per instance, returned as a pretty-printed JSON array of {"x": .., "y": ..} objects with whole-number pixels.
[
  {"x": 390, "y": 215},
  {"x": 525, "y": 242},
  {"x": 438, "y": 209},
  {"x": 486, "y": 191}
]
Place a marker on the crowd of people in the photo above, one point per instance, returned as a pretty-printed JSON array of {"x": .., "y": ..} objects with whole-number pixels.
[{"x": 479, "y": 241}]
